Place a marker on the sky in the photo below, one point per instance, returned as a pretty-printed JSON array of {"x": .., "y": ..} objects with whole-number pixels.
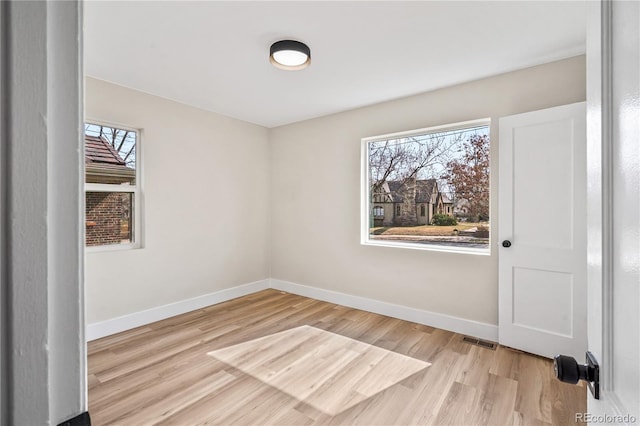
[{"x": 130, "y": 142}]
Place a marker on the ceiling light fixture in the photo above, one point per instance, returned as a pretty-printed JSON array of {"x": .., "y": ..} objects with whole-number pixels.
[{"x": 290, "y": 55}]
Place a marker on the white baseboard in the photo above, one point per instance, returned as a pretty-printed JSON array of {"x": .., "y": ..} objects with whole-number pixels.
[
  {"x": 446, "y": 322},
  {"x": 136, "y": 319}
]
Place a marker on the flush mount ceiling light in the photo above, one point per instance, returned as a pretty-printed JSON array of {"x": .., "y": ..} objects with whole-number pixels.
[{"x": 290, "y": 55}]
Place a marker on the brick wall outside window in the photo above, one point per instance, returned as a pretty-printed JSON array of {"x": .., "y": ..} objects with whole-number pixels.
[{"x": 107, "y": 216}]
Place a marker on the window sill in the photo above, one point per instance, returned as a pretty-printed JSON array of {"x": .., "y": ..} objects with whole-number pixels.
[
  {"x": 429, "y": 247},
  {"x": 112, "y": 247}
]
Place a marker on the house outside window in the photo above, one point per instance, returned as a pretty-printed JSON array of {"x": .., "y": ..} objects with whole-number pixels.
[
  {"x": 112, "y": 186},
  {"x": 433, "y": 186}
]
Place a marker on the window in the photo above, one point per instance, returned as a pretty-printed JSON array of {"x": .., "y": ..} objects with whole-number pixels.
[
  {"x": 378, "y": 211},
  {"x": 445, "y": 171},
  {"x": 112, "y": 186}
]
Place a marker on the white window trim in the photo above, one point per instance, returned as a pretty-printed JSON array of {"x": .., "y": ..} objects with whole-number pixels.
[
  {"x": 365, "y": 205},
  {"x": 138, "y": 205}
]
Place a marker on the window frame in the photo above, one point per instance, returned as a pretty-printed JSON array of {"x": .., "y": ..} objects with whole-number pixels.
[
  {"x": 366, "y": 204},
  {"x": 136, "y": 190}
]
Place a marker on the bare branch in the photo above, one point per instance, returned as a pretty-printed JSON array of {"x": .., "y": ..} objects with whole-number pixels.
[
  {"x": 131, "y": 150},
  {"x": 124, "y": 138}
]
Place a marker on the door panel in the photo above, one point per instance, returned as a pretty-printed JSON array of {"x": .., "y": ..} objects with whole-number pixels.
[
  {"x": 541, "y": 209},
  {"x": 530, "y": 290},
  {"x": 534, "y": 188}
]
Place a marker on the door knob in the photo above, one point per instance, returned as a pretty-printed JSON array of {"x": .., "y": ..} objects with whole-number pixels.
[
  {"x": 568, "y": 370},
  {"x": 506, "y": 243}
]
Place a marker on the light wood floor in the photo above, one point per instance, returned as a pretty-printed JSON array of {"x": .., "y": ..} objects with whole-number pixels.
[{"x": 281, "y": 359}]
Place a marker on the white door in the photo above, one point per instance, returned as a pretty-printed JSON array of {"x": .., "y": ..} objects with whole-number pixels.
[
  {"x": 613, "y": 93},
  {"x": 542, "y": 201}
]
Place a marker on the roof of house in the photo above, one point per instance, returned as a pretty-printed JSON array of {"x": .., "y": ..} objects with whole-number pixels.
[
  {"x": 104, "y": 163},
  {"x": 424, "y": 189},
  {"x": 98, "y": 150}
]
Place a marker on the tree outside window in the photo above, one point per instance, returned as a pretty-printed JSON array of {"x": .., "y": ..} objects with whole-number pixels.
[{"x": 436, "y": 184}]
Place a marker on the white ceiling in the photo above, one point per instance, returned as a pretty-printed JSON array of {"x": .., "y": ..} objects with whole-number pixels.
[{"x": 214, "y": 55}]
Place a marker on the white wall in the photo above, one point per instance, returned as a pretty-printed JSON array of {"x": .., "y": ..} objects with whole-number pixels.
[
  {"x": 210, "y": 223},
  {"x": 205, "y": 186},
  {"x": 315, "y": 187}
]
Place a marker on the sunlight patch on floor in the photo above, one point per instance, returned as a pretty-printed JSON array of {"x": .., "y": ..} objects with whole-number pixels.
[{"x": 325, "y": 370}]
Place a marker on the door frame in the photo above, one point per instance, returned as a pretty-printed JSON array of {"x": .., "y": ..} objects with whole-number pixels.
[
  {"x": 42, "y": 328},
  {"x": 600, "y": 203}
]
